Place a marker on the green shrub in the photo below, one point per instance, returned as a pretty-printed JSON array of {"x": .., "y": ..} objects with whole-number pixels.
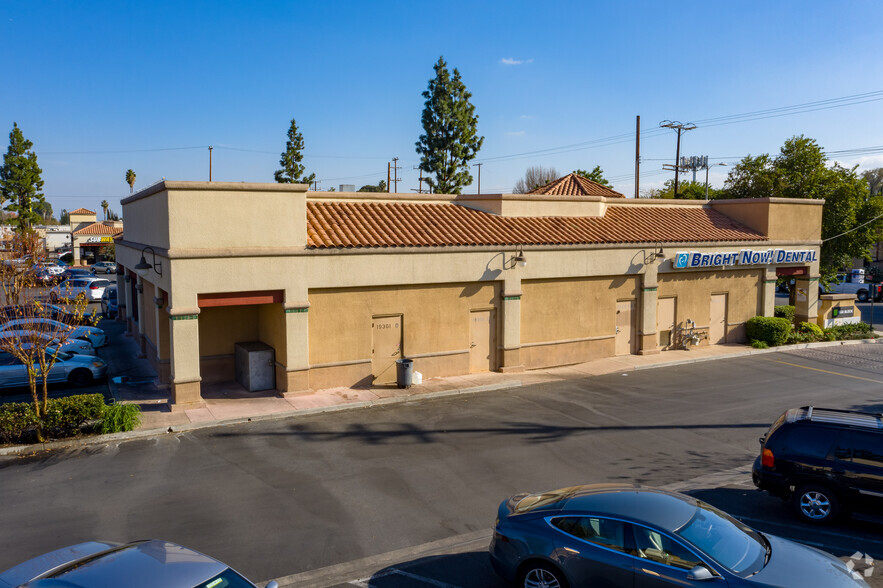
[
  {"x": 784, "y": 311},
  {"x": 17, "y": 419},
  {"x": 119, "y": 417},
  {"x": 771, "y": 330},
  {"x": 65, "y": 416},
  {"x": 851, "y": 331},
  {"x": 759, "y": 344},
  {"x": 814, "y": 331}
]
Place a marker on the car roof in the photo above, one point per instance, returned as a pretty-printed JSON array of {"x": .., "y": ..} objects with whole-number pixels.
[
  {"x": 143, "y": 564},
  {"x": 666, "y": 510}
]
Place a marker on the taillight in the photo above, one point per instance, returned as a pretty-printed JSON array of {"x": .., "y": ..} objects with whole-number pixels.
[
  {"x": 767, "y": 459},
  {"x": 93, "y": 287}
]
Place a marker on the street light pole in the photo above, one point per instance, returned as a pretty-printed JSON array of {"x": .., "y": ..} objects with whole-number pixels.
[{"x": 707, "y": 167}]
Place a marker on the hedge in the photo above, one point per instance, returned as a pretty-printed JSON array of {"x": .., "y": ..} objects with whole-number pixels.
[
  {"x": 72, "y": 415},
  {"x": 784, "y": 311},
  {"x": 771, "y": 330}
]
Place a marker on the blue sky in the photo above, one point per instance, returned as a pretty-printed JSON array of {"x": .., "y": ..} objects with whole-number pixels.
[{"x": 101, "y": 87}]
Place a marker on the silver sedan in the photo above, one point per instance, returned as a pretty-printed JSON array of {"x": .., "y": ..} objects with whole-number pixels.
[{"x": 93, "y": 335}]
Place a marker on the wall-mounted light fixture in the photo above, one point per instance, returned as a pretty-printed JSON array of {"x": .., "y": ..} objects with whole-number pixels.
[
  {"x": 518, "y": 259},
  {"x": 128, "y": 278},
  {"x": 158, "y": 300},
  {"x": 139, "y": 288},
  {"x": 143, "y": 267},
  {"x": 656, "y": 255}
]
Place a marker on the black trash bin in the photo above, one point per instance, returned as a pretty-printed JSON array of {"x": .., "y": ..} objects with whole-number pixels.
[{"x": 404, "y": 372}]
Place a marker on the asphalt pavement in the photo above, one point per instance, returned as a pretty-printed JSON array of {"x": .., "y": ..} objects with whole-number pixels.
[{"x": 405, "y": 494}]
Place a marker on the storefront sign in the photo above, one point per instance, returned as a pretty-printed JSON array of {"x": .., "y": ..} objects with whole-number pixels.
[
  {"x": 691, "y": 259},
  {"x": 99, "y": 240},
  {"x": 842, "y": 315}
]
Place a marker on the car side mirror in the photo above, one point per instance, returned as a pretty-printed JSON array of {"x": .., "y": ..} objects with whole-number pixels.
[
  {"x": 700, "y": 572},
  {"x": 273, "y": 584}
]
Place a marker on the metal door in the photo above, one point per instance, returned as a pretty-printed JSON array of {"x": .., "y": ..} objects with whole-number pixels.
[
  {"x": 717, "y": 328},
  {"x": 625, "y": 327},
  {"x": 386, "y": 347},
  {"x": 483, "y": 342}
]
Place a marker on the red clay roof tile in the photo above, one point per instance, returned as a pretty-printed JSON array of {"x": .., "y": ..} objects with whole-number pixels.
[
  {"x": 576, "y": 185},
  {"x": 392, "y": 224},
  {"x": 82, "y": 211},
  {"x": 97, "y": 229}
]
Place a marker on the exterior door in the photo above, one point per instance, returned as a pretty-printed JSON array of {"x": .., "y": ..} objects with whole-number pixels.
[
  {"x": 483, "y": 342},
  {"x": 717, "y": 328},
  {"x": 625, "y": 327},
  {"x": 666, "y": 310},
  {"x": 386, "y": 348}
]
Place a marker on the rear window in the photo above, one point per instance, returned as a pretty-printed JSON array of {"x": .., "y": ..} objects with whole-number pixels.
[
  {"x": 101, "y": 283},
  {"x": 809, "y": 441}
]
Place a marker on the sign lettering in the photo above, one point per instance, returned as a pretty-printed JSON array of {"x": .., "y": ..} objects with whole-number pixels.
[{"x": 692, "y": 259}]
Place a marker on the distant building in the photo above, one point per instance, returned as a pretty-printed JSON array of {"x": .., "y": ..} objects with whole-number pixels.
[{"x": 91, "y": 239}]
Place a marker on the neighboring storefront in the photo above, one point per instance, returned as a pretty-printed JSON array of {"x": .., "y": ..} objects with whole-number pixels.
[
  {"x": 339, "y": 285},
  {"x": 92, "y": 240}
]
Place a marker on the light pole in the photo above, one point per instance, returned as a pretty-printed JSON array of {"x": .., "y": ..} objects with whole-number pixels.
[{"x": 707, "y": 167}]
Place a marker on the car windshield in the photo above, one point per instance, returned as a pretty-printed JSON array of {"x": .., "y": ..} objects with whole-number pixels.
[
  {"x": 226, "y": 579},
  {"x": 724, "y": 539}
]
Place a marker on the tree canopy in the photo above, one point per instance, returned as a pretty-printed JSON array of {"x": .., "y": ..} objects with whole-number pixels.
[
  {"x": 292, "y": 171},
  {"x": 850, "y": 218},
  {"x": 20, "y": 181},
  {"x": 450, "y": 132},
  {"x": 130, "y": 179},
  {"x": 686, "y": 191},
  {"x": 534, "y": 177},
  {"x": 380, "y": 187},
  {"x": 596, "y": 175},
  {"x": 874, "y": 177}
]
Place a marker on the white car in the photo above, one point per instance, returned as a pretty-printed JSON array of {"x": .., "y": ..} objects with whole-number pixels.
[
  {"x": 104, "y": 267},
  {"x": 25, "y": 337},
  {"x": 90, "y": 288},
  {"x": 93, "y": 335}
]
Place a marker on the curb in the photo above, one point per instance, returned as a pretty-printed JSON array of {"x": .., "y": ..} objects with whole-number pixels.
[
  {"x": 36, "y": 448},
  {"x": 752, "y": 351}
]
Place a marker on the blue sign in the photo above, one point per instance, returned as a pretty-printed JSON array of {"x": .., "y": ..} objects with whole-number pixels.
[{"x": 691, "y": 259}]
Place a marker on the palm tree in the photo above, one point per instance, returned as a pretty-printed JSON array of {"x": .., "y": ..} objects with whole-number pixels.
[
  {"x": 130, "y": 179},
  {"x": 105, "y": 206}
]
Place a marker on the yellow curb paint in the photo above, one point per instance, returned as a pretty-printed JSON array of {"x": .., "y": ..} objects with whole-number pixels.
[{"x": 826, "y": 371}]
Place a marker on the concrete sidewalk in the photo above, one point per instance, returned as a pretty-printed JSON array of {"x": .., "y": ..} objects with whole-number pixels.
[{"x": 230, "y": 402}]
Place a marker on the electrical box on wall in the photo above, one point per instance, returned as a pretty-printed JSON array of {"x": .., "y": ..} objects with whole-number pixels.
[{"x": 256, "y": 366}]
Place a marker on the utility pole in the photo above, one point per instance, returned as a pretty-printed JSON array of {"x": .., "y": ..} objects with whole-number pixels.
[
  {"x": 388, "y": 178},
  {"x": 478, "y": 165},
  {"x": 680, "y": 128},
  {"x": 395, "y": 169},
  {"x": 638, "y": 157},
  {"x": 420, "y": 189},
  {"x": 209, "y": 163}
]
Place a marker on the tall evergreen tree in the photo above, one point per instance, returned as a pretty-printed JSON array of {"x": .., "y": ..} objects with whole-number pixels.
[
  {"x": 292, "y": 171},
  {"x": 450, "y": 139},
  {"x": 20, "y": 181},
  {"x": 596, "y": 175},
  {"x": 104, "y": 207},
  {"x": 130, "y": 179}
]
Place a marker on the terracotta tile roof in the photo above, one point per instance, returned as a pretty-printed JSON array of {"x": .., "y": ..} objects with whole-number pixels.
[
  {"x": 97, "y": 229},
  {"x": 575, "y": 185},
  {"x": 82, "y": 211},
  {"x": 391, "y": 224}
]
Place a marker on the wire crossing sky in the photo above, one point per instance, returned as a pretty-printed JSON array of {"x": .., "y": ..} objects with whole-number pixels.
[{"x": 106, "y": 86}]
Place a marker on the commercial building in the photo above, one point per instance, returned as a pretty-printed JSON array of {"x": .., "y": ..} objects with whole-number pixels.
[
  {"x": 340, "y": 285},
  {"x": 90, "y": 237}
]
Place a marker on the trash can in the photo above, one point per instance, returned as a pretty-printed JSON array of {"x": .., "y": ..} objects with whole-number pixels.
[{"x": 404, "y": 372}]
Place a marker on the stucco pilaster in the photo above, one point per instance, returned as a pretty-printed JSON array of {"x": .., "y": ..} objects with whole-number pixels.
[
  {"x": 806, "y": 299},
  {"x": 184, "y": 356},
  {"x": 297, "y": 347},
  {"x": 122, "y": 298},
  {"x": 510, "y": 360},
  {"x": 768, "y": 292},
  {"x": 648, "y": 340}
]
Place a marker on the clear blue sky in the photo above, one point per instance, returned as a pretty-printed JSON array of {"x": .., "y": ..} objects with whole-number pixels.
[{"x": 101, "y": 87}]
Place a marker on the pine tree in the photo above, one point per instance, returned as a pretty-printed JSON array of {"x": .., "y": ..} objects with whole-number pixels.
[
  {"x": 20, "y": 181},
  {"x": 292, "y": 171},
  {"x": 450, "y": 140}
]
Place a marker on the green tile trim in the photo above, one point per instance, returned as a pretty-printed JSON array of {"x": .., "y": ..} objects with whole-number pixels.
[
  {"x": 184, "y": 317},
  {"x": 650, "y": 289},
  {"x": 290, "y": 310},
  {"x": 511, "y": 297}
]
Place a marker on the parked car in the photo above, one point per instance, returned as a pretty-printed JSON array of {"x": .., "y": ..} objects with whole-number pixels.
[
  {"x": 91, "y": 288},
  {"x": 109, "y": 306},
  {"x": 93, "y": 335},
  {"x": 26, "y": 337},
  {"x": 52, "y": 311},
  {"x": 825, "y": 461},
  {"x": 844, "y": 285},
  {"x": 43, "y": 277},
  {"x": 618, "y": 535},
  {"x": 73, "y": 272},
  {"x": 140, "y": 564},
  {"x": 77, "y": 370},
  {"x": 104, "y": 267},
  {"x": 51, "y": 267}
]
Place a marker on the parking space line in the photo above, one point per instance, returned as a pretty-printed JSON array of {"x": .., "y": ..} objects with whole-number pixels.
[
  {"x": 824, "y": 371},
  {"x": 365, "y": 582}
]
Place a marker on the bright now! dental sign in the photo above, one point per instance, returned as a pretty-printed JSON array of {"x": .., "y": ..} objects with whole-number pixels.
[{"x": 691, "y": 259}]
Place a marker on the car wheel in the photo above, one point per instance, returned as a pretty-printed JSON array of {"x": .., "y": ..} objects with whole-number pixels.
[
  {"x": 80, "y": 378},
  {"x": 541, "y": 575},
  {"x": 816, "y": 504},
  {"x": 862, "y": 295}
]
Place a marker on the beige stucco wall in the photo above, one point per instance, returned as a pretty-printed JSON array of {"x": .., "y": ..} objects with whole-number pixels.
[
  {"x": 149, "y": 319},
  {"x": 781, "y": 219},
  {"x": 435, "y": 325},
  {"x": 693, "y": 291}
]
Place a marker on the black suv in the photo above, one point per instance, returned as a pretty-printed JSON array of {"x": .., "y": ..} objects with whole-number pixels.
[{"x": 825, "y": 461}]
